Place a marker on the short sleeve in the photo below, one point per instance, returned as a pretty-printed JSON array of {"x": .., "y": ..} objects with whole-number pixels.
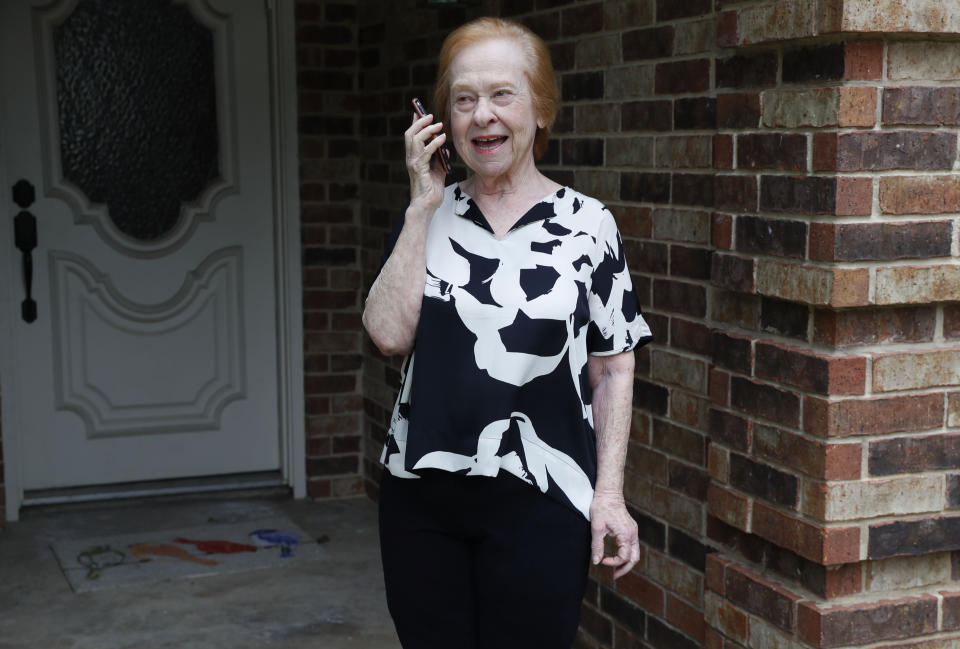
[{"x": 616, "y": 324}]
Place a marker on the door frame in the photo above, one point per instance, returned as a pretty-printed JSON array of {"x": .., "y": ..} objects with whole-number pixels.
[{"x": 281, "y": 24}]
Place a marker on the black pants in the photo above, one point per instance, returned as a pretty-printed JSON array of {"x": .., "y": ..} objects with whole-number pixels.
[{"x": 472, "y": 562}]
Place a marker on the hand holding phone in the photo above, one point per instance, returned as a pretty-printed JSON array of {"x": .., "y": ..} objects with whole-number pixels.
[{"x": 443, "y": 153}]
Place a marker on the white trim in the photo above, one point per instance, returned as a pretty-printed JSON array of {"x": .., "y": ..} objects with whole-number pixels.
[
  {"x": 289, "y": 302},
  {"x": 283, "y": 71},
  {"x": 11, "y": 283}
]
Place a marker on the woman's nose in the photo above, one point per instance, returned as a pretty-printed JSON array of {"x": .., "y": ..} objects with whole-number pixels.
[{"x": 483, "y": 113}]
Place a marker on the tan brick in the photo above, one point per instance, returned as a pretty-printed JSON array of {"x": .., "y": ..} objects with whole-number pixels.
[
  {"x": 602, "y": 185},
  {"x": 900, "y": 573},
  {"x": 687, "y": 152},
  {"x": 953, "y": 409},
  {"x": 629, "y": 151},
  {"x": 730, "y": 507},
  {"x": 597, "y": 118},
  {"x": 779, "y": 20},
  {"x": 857, "y": 106},
  {"x": 916, "y": 370},
  {"x": 850, "y": 501},
  {"x": 764, "y": 635},
  {"x": 629, "y": 82},
  {"x": 725, "y": 618},
  {"x": 688, "y": 226},
  {"x": 675, "y": 576},
  {"x": 676, "y": 509},
  {"x": 598, "y": 51},
  {"x": 917, "y": 284},
  {"x": 618, "y": 14},
  {"x": 694, "y": 36},
  {"x": 923, "y": 60},
  {"x": 922, "y": 16},
  {"x": 920, "y": 194},
  {"x": 811, "y": 285},
  {"x": 689, "y": 373},
  {"x": 816, "y": 107}
]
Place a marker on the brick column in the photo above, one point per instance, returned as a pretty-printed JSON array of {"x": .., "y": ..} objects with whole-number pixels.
[
  {"x": 329, "y": 195},
  {"x": 835, "y": 424}
]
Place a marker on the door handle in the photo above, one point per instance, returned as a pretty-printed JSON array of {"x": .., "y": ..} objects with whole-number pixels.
[{"x": 25, "y": 240}]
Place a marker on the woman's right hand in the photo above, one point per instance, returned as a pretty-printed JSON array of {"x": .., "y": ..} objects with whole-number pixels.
[{"x": 426, "y": 180}]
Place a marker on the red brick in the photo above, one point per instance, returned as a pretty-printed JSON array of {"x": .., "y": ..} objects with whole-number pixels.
[
  {"x": 882, "y": 151},
  {"x": 864, "y": 60},
  {"x": 872, "y": 416},
  {"x": 761, "y": 597},
  {"x": 854, "y": 196},
  {"x": 765, "y": 401},
  {"x": 814, "y": 458},
  {"x": 722, "y": 231},
  {"x": 784, "y": 151},
  {"x": 642, "y": 591},
  {"x": 827, "y": 546},
  {"x": 825, "y": 151},
  {"x": 827, "y": 375},
  {"x": 686, "y": 618},
  {"x": 845, "y": 579},
  {"x": 735, "y": 192},
  {"x": 718, "y": 386},
  {"x": 727, "y": 29},
  {"x": 867, "y": 623},
  {"x": 951, "y": 611},
  {"x": 722, "y": 151},
  {"x": 875, "y": 326},
  {"x": 679, "y": 77},
  {"x": 738, "y": 110},
  {"x": 951, "y": 321},
  {"x": 929, "y": 106},
  {"x": 733, "y": 273},
  {"x": 715, "y": 572}
]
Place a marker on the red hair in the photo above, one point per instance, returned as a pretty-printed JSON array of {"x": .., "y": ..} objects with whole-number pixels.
[{"x": 537, "y": 67}]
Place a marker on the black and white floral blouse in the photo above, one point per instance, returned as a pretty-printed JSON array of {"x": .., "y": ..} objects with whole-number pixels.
[{"x": 498, "y": 376}]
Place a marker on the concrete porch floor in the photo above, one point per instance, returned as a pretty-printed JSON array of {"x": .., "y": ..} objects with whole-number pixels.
[{"x": 333, "y": 603}]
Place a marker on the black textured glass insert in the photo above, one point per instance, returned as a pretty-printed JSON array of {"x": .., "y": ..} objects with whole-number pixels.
[{"x": 138, "y": 109}]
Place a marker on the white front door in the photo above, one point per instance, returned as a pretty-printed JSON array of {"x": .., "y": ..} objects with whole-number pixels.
[{"x": 144, "y": 128}]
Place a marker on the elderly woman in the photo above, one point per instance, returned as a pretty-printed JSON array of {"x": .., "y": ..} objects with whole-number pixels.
[{"x": 511, "y": 298}]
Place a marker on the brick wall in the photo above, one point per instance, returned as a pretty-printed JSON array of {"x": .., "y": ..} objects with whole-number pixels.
[
  {"x": 782, "y": 173},
  {"x": 835, "y": 360},
  {"x": 329, "y": 105}
]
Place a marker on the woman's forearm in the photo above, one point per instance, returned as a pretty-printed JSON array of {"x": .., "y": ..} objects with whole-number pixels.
[
  {"x": 392, "y": 309},
  {"x": 612, "y": 381}
]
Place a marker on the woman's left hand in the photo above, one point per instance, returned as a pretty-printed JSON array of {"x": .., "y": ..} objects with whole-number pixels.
[{"x": 609, "y": 517}]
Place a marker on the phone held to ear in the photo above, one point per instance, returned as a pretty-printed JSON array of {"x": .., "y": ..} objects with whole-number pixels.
[{"x": 443, "y": 153}]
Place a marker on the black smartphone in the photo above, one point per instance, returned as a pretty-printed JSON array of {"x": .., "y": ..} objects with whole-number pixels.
[{"x": 443, "y": 153}]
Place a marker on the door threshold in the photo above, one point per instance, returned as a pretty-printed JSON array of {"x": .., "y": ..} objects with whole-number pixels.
[{"x": 146, "y": 489}]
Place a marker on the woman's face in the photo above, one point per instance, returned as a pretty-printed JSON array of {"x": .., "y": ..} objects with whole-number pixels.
[{"x": 493, "y": 119}]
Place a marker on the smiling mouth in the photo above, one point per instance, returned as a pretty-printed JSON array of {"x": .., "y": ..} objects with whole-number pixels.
[{"x": 487, "y": 144}]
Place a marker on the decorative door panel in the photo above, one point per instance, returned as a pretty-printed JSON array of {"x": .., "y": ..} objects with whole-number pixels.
[{"x": 153, "y": 351}]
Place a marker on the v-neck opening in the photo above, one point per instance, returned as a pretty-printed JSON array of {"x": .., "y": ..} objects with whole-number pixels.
[{"x": 541, "y": 210}]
